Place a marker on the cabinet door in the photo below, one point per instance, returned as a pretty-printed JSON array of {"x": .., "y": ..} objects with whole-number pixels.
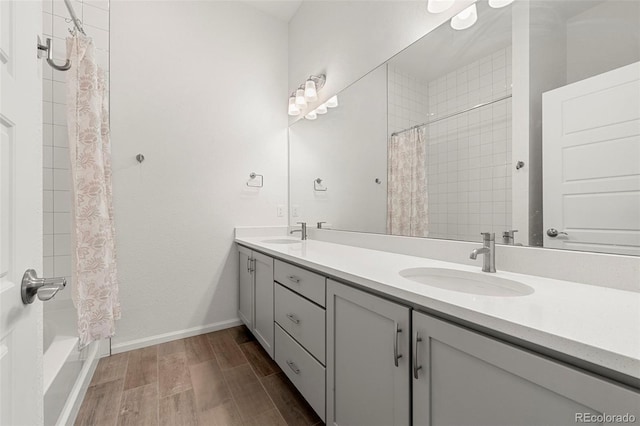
[
  {"x": 470, "y": 379},
  {"x": 263, "y": 301},
  {"x": 368, "y": 359},
  {"x": 245, "y": 309}
]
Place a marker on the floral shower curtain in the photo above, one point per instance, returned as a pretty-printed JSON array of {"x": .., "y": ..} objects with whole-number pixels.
[
  {"x": 95, "y": 291},
  {"x": 407, "y": 184}
]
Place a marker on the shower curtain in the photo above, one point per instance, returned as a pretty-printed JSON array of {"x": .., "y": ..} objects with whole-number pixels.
[
  {"x": 407, "y": 184},
  {"x": 95, "y": 291}
]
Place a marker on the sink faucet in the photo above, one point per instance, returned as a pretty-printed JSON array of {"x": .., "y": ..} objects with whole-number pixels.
[
  {"x": 302, "y": 230},
  {"x": 488, "y": 250},
  {"x": 508, "y": 237}
]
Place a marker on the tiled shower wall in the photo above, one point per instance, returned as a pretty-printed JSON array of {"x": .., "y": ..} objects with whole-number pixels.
[
  {"x": 469, "y": 155},
  {"x": 56, "y": 173}
]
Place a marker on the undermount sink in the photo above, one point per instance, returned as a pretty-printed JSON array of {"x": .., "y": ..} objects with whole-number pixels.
[
  {"x": 467, "y": 282},
  {"x": 281, "y": 241}
]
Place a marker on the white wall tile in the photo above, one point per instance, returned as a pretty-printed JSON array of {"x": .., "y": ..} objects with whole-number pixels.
[
  {"x": 47, "y": 267},
  {"x": 62, "y": 266},
  {"x": 61, "y": 158},
  {"x": 61, "y": 180},
  {"x": 95, "y": 17},
  {"x": 61, "y": 202},
  {"x": 62, "y": 223},
  {"x": 47, "y": 245},
  {"x": 47, "y": 179},
  {"x": 47, "y": 156},
  {"x": 47, "y": 223},
  {"x": 62, "y": 244},
  {"x": 60, "y": 136},
  {"x": 47, "y": 201}
]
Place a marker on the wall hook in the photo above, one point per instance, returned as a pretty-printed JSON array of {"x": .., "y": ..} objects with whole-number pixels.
[
  {"x": 140, "y": 158},
  {"x": 317, "y": 185},
  {"x": 256, "y": 184},
  {"x": 378, "y": 181},
  {"x": 519, "y": 165}
]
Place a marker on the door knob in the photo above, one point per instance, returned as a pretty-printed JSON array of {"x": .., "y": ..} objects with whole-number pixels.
[
  {"x": 553, "y": 232},
  {"x": 44, "y": 288}
]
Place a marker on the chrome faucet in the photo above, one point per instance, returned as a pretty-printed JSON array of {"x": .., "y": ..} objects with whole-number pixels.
[
  {"x": 302, "y": 230},
  {"x": 488, "y": 250},
  {"x": 508, "y": 237}
]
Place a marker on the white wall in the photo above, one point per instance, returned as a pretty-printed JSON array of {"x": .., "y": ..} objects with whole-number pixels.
[
  {"x": 199, "y": 88},
  {"x": 347, "y": 148},
  {"x": 57, "y": 171},
  {"x": 347, "y": 39}
]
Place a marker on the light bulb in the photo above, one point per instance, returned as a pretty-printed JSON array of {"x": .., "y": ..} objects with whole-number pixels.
[
  {"x": 293, "y": 108},
  {"x": 465, "y": 19},
  {"x": 301, "y": 102},
  {"x": 439, "y": 6},
  {"x": 332, "y": 102},
  {"x": 496, "y": 4},
  {"x": 310, "y": 92},
  {"x": 322, "y": 109},
  {"x": 311, "y": 116}
]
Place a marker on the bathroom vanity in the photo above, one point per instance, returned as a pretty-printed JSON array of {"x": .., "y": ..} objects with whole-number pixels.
[{"x": 367, "y": 340}]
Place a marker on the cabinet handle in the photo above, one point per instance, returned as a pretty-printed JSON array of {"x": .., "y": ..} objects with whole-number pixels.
[
  {"x": 292, "y": 365},
  {"x": 396, "y": 355},
  {"x": 416, "y": 367},
  {"x": 248, "y": 259},
  {"x": 294, "y": 279},
  {"x": 293, "y": 318},
  {"x": 253, "y": 265}
]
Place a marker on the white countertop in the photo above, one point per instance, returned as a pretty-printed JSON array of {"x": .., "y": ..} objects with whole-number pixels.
[{"x": 596, "y": 324}]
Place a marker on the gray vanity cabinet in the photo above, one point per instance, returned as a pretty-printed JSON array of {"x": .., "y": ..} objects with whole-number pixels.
[
  {"x": 464, "y": 378},
  {"x": 368, "y": 359},
  {"x": 256, "y": 296}
]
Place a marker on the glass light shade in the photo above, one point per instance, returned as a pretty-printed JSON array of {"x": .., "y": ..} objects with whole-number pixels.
[
  {"x": 301, "y": 102},
  {"x": 311, "y": 116},
  {"x": 439, "y": 6},
  {"x": 332, "y": 102},
  {"x": 293, "y": 108},
  {"x": 310, "y": 92},
  {"x": 496, "y": 4},
  {"x": 465, "y": 19},
  {"x": 322, "y": 109}
]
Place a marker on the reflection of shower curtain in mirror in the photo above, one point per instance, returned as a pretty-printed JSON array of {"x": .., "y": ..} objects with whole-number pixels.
[
  {"x": 407, "y": 186},
  {"x": 95, "y": 283}
]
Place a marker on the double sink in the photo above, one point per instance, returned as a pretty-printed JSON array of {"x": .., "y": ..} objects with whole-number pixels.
[{"x": 453, "y": 279}]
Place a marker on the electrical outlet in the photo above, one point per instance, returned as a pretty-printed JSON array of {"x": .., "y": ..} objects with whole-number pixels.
[
  {"x": 295, "y": 210},
  {"x": 280, "y": 210}
]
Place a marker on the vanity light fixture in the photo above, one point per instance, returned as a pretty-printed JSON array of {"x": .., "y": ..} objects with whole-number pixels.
[
  {"x": 310, "y": 91},
  {"x": 322, "y": 109},
  {"x": 301, "y": 102},
  {"x": 497, "y": 4},
  {"x": 439, "y": 6},
  {"x": 332, "y": 102},
  {"x": 465, "y": 19},
  {"x": 311, "y": 115},
  {"x": 293, "y": 108}
]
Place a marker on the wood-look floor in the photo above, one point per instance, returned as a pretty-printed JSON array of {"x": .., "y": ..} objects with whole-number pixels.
[{"x": 220, "y": 378}]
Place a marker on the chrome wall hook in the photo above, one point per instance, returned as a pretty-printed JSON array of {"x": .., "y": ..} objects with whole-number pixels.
[
  {"x": 42, "y": 48},
  {"x": 139, "y": 158}
]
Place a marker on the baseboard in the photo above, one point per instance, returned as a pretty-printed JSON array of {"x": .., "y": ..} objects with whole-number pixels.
[{"x": 174, "y": 335}]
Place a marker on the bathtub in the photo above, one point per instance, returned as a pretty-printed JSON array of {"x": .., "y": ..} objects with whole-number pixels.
[{"x": 67, "y": 371}]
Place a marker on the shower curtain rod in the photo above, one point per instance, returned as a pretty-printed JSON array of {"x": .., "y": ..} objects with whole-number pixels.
[
  {"x": 452, "y": 115},
  {"x": 74, "y": 17}
]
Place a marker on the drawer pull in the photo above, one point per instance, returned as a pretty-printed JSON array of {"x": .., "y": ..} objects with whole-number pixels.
[
  {"x": 396, "y": 355},
  {"x": 416, "y": 367},
  {"x": 294, "y": 279},
  {"x": 292, "y": 365},
  {"x": 293, "y": 318}
]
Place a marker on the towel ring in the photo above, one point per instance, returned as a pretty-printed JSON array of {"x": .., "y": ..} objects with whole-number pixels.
[
  {"x": 252, "y": 177},
  {"x": 47, "y": 48},
  {"x": 317, "y": 185}
]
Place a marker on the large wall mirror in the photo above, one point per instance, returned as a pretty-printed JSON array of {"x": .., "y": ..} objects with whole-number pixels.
[{"x": 526, "y": 124}]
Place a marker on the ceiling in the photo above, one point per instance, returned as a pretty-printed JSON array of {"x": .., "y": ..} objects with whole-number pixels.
[{"x": 282, "y": 10}]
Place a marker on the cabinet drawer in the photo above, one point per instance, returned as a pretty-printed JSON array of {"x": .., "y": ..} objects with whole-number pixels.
[
  {"x": 308, "y": 284},
  {"x": 307, "y": 374},
  {"x": 303, "y": 320}
]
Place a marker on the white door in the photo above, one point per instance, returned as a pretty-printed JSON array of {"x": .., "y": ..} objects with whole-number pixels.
[
  {"x": 21, "y": 399},
  {"x": 591, "y": 163}
]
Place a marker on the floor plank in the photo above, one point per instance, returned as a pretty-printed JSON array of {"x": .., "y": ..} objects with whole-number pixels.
[
  {"x": 198, "y": 349},
  {"x": 292, "y": 406},
  {"x": 101, "y": 404},
  {"x": 259, "y": 359},
  {"x": 226, "y": 350},
  {"x": 247, "y": 392},
  {"x": 241, "y": 334},
  {"x": 110, "y": 368},
  {"x": 209, "y": 386},
  {"x": 173, "y": 374},
  {"x": 139, "y": 406},
  {"x": 270, "y": 418},
  {"x": 171, "y": 347},
  {"x": 143, "y": 367},
  {"x": 225, "y": 414},
  {"x": 178, "y": 409}
]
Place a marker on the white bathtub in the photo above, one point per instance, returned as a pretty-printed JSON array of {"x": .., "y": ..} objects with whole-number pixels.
[{"x": 67, "y": 371}]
